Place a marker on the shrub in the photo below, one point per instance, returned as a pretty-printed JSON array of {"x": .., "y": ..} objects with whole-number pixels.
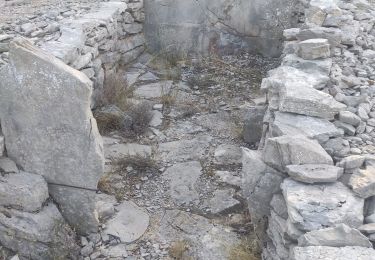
[{"x": 137, "y": 119}]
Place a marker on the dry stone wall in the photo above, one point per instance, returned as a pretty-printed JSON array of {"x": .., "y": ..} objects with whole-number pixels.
[
  {"x": 313, "y": 176},
  {"x": 95, "y": 39}
]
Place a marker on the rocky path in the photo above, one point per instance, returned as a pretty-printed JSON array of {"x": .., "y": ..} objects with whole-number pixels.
[{"x": 181, "y": 198}]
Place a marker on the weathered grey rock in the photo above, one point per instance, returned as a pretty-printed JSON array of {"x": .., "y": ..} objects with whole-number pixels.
[
  {"x": 52, "y": 131},
  {"x": 312, "y": 207},
  {"x": 80, "y": 207},
  {"x": 279, "y": 206},
  {"x": 333, "y": 35},
  {"x": 222, "y": 202},
  {"x": 311, "y": 127},
  {"x": 226, "y": 154},
  {"x": 352, "y": 162},
  {"x": 337, "y": 147},
  {"x": 157, "y": 118},
  {"x": 259, "y": 182},
  {"x": 253, "y": 124},
  {"x": 23, "y": 191},
  {"x": 182, "y": 178},
  {"x": 7, "y": 165},
  {"x": 363, "y": 182},
  {"x": 287, "y": 150},
  {"x": 229, "y": 178},
  {"x": 349, "y": 118},
  {"x": 117, "y": 251},
  {"x": 368, "y": 228},
  {"x": 329, "y": 253},
  {"x": 348, "y": 129},
  {"x": 116, "y": 151},
  {"x": 41, "y": 235},
  {"x": 185, "y": 150},
  {"x": 338, "y": 236},
  {"x": 129, "y": 223},
  {"x": 314, "y": 173},
  {"x": 2, "y": 145},
  {"x": 296, "y": 95},
  {"x": 154, "y": 90},
  {"x": 314, "y": 49},
  {"x": 308, "y": 66}
]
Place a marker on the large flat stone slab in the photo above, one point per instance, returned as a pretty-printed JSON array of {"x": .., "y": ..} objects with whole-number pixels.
[
  {"x": 129, "y": 224},
  {"x": 311, "y": 127},
  {"x": 46, "y": 118},
  {"x": 329, "y": 253},
  {"x": 294, "y": 150},
  {"x": 314, "y": 173},
  {"x": 312, "y": 207},
  {"x": 338, "y": 236}
]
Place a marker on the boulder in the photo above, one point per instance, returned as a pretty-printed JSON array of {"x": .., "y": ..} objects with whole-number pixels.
[
  {"x": 23, "y": 191},
  {"x": 314, "y": 173},
  {"x": 129, "y": 223},
  {"x": 329, "y": 253},
  {"x": 338, "y": 236},
  {"x": 349, "y": 118},
  {"x": 311, "y": 127},
  {"x": 259, "y": 182},
  {"x": 351, "y": 162},
  {"x": 363, "y": 182},
  {"x": 333, "y": 35},
  {"x": 309, "y": 66},
  {"x": 312, "y": 207},
  {"x": 313, "y": 49},
  {"x": 52, "y": 132},
  {"x": 40, "y": 235},
  {"x": 288, "y": 150}
]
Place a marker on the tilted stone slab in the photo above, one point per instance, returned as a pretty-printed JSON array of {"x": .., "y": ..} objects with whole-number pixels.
[
  {"x": 46, "y": 118},
  {"x": 311, "y": 127},
  {"x": 287, "y": 150},
  {"x": 330, "y": 253},
  {"x": 309, "y": 66},
  {"x": 312, "y": 207},
  {"x": 339, "y": 236},
  {"x": 39, "y": 235},
  {"x": 314, "y": 173},
  {"x": 23, "y": 191}
]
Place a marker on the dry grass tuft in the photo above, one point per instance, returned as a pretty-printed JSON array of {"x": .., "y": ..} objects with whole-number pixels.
[
  {"x": 247, "y": 249},
  {"x": 139, "y": 117},
  {"x": 108, "y": 122},
  {"x": 116, "y": 91},
  {"x": 178, "y": 250}
]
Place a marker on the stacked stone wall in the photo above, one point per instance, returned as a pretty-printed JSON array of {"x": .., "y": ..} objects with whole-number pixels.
[{"x": 311, "y": 185}]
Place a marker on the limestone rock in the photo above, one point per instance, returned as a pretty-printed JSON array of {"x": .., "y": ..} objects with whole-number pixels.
[
  {"x": 287, "y": 150},
  {"x": 229, "y": 178},
  {"x": 7, "y": 165},
  {"x": 363, "y": 182},
  {"x": 338, "y": 236},
  {"x": 314, "y": 173},
  {"x": 312, "y": 207},
  {"x": 23, "y": 191},
  {"x": 368, "y": 228},
  {"x": 260, "y": 182},
  {"x": 329, "y": 253},
  {"x": 182, "y": 178},
  {"x": 129, "y": 223},
  {"x": 279, "y": 206},
  {"x": 39, "y": 235},
  {"x": 81, "y": 208},
  {"x": 311, "y": 127},
  {"x": 52, "y": 131},
  {"x": 314, "y": 49},
  {"x": 185, "y": 150},
  {"x": 349, "y": 118},
  {"x": 333, "y": 35},
  {"x": 226, "y": 154},
  {"x": 154, "y": 90},
  {"x": 117, "y": 151},
  {"x": 221, "y": 202},
  {"x": 352, "y": 162},
  {"x": 308, "y": 66}
]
